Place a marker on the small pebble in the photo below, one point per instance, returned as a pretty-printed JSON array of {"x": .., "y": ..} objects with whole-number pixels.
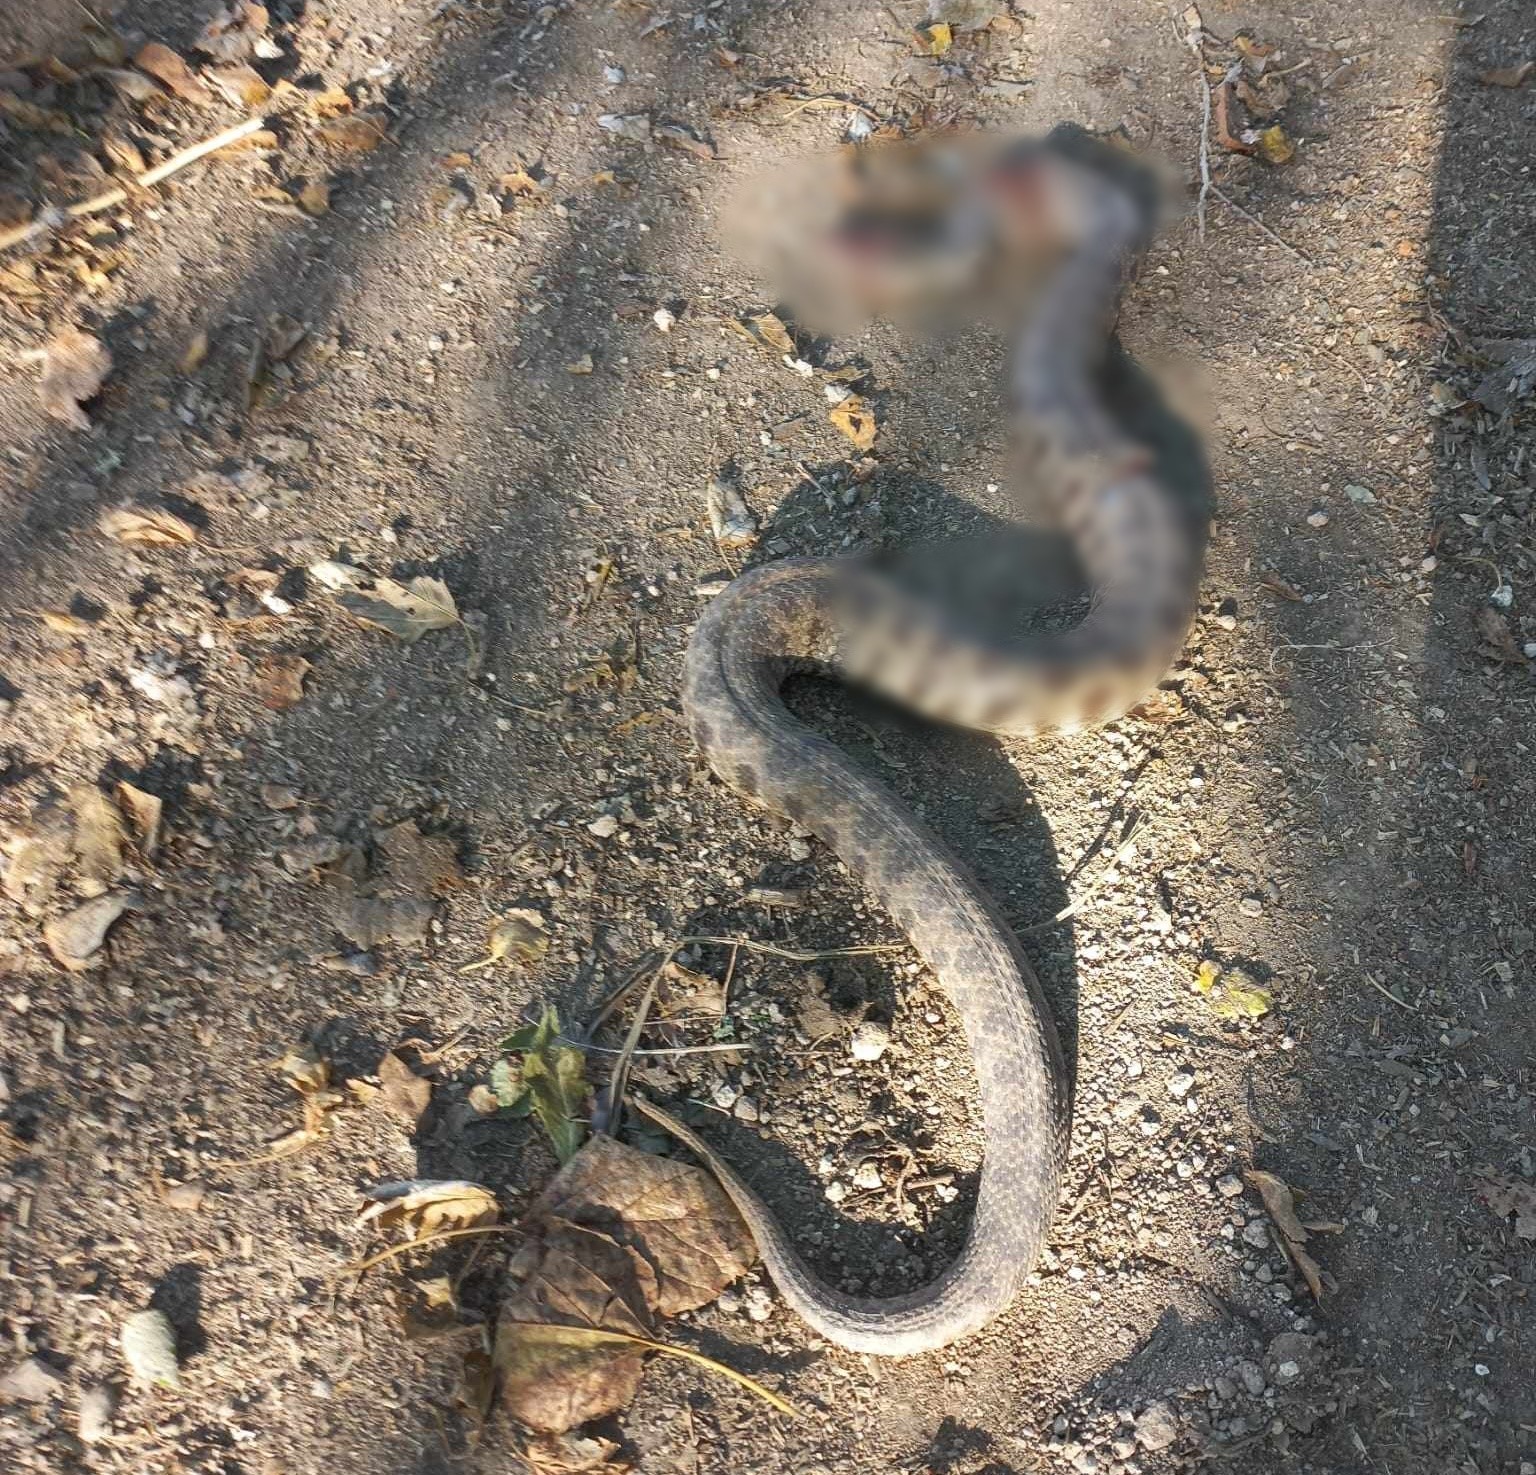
[
  {"x": 868, "y": 1175},
  {"x": 1251, "y": 1375},
  {"x": 870, "y": 1041},
  {"x": 1156, "y": 1426},
  {"x": 604, "y": 826},
  {"x": 97, "y": 1406},
  {"x": 1229, "y": 1185},
  {"x": 836, "y": 1192},
  {"x": 1251, "y": 906},
  {"x": 1255, "y": 1234},
  {"x": 745, "y": 1109},
  {"x": 664, "y": 320},
  {"x": 1180, "y": 1084},
  {"x": 1317, "y": 519}
]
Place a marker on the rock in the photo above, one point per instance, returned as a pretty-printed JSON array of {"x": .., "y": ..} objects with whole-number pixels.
[
  {"x": 75, "y": 939},
  {"x": 1229, "y": 1185},
  {"x": 745, "y": 1109},
  {"x": 1255, "y": 1234},
  {"x": 836, "y": 1192},
  {"x": 1085, "y": 1461},
  {"x": 868, "y": 1174},
  {"x": 1251, "y": 906},
  {"x": 870, "y": 1041},
  {"x": 1251, "y": 1375},
  {"x": 1290, "y": 1356},
  {"x": 1123, "y": 1448},
  {"x": 32, "y": 1381},
  {"x": 1180, "y": 1084},
  {"x": 1156, "y": 1426},
  {"x": 97, "y": 1405},
  {"x": 604, "y": 826}
]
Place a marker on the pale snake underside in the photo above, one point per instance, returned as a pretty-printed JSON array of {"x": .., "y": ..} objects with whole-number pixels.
[{"x": 1140, "y": 552}]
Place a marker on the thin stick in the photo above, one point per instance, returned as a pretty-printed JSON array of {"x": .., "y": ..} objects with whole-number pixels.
[
  {"x": 1383, "y": 989},
  {"x": 1193, "y": 40},
  {"x": 362, "y": 1267},
  {"x": 1253, "y": 219},
  {"x": 97, "y": 203}
]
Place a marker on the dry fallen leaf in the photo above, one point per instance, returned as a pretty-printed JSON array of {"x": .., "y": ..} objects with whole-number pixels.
[
  {"x": 428, "y": 1308},
  {"x": 242, "y": 84},
  {"x": 1508, "y": 76},
  {"x": 99, "y": 840},
  {"x": 61, "y": 622},
  {"x": 406, "y": 611},
  {"x": 370, "y": 920},
  {"x": 236, "y": 32},
  {"x": 519, "y": 935},
  {"x": 682, "y": 137},
  {"x": 357, "y": 132},
  {"x": 428, "y": 1206},
  {"x": 1507, "y": 1196},
  {"x": 315, "y": 197},
  {"x": 856, "y": 419},
  {"x": 1279, "y": 1204},
  {"x": 172, "y": 72},
  {"x": 143, "y": 811},
  {"x": 333, "y": 102},
  {"x": 75, "y": 939},
  {"x": 676, "y": 1217},
  {"x": 280, "y": 681},
  {"x": 38, "y": 854},
  {"x": 405, "y": 1093},
  {"x": 418, "y": 864},
  {"x": 768, "y": 328},
  {"x": 75, "y": 366},
  {"x": 574, "y": 1454},
  {"x": 150, "y": 526},
  {"x": 1497, "y": 637},
  {"x": 730, "y": 519}
]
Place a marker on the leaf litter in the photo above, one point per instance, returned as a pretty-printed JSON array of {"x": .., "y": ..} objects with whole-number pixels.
[
  {"x": 75, "y": 366},
  {"x": 1291, "y": 1232}
]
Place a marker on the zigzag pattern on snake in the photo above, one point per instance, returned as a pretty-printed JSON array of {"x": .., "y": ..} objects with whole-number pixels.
[{"x": 842, "y": 617}]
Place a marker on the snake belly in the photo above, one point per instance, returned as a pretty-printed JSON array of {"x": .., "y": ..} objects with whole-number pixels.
[{"x": 842, "y": 617}]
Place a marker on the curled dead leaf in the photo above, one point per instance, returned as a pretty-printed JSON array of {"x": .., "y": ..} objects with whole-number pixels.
[
  {"x": 405, "y": 1093},
  {"x": 144, "y": 812},
  {"x": 358, "y": 133},
  {"x": 428, "y": 1206},
  {"x": 1515, "y": 76},
  {"x": 75, "y": 366},
  {"x": 172, "y": 72},
  {"x": 151, "y": 526},
  {"x": 76, "y": 938},
  {"x": 99, "y": 840},
  {"x": 280, "y": 681},
  {"x": 1279, "y": 1204},
  {"x": 519, "y": 935},
  {"x": 855, "y": 417},
  {"x": 406, "y": 611}
]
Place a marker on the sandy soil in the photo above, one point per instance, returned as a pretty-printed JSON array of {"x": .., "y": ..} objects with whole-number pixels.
[{"x": 1334, "y": 798}]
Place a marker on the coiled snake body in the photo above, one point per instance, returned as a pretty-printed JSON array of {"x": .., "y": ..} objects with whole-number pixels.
[{"x": 841, "y": 616}]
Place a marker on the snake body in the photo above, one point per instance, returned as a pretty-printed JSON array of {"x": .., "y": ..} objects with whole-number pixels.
[{"x": 843, "y": 617}]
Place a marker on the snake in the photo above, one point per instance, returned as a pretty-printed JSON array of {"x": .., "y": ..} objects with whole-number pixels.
[{"x": 846, "y": 617}]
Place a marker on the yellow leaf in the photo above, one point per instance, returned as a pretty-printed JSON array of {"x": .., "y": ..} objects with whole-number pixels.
[
  {"x": 1275, "y": 146},
  {"x": 855, "y": 417},
  {"x": 937, "y": 38},
  {"x": 520, "y": 935}
]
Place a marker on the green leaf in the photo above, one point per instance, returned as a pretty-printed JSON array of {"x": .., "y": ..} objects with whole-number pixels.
[{"x": 554, "y": 1077}]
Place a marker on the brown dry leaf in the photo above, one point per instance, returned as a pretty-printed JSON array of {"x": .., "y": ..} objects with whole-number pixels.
[
  {"x": 1498, "y": 640},
  {"x": 519, "y": 183},
  {"x": 420, "y": 865},
  {"x": 856, "y": 419},
  {"x": 680, "y": 136},
  {"x": 242, "y": 84},
  {"x": 370, "y": 920},
  {"x": 75, "y": 939},
  {"x": 358, "y": 132},
  {"x": 520, "y": 935},
  {"x": 1279, "y": 1204},
  {"x": 405, "y": 1093},
  {"x": 406, "y": 611},
  {"x": 144, "y": 812},
  {"x": 1274, "y": 145},
  {"x": 428, "y": 1206},
  {"x": 768, "y": 328},
  {"x": 574, "y": 1454},
  {"x": 37, "y": 855},
  {"x": 121, "y": 153},
  {"x": 172, "y": 72},
  {"x": 428, "y": 1308},
  {"x": 334, "y": 102},
  {"x": 1507, "y": 1196},
  {"x": 477, "y": 1386},
  {"x": 29, "y": 115},
  {"x": 133, "y": 86},
  {"x": 194, "y": 353},
  {"x": 730, "y": 519},
  {"x": 1508, "y": 76},
  {"x": 61, "y": 622},
  {"x": 315, "y": 197},
  {"x": 235, "y": 33},
  {"x": 151, "y": 526},
  {"x": 280, "y": 681},
  {"x": 1277, "y": 586},
  {"x": 583, "y": 365},
  {"x": 676, "y": 1218},
  {"x": 98, "y": 840},
  {"x": 75, "y": 366}
]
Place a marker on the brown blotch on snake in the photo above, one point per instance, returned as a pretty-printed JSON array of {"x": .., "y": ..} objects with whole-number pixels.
[{"x": 1140, "y": 549}]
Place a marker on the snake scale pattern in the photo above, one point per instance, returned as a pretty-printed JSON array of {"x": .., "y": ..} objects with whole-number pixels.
[{"x": 844, "y": 618}]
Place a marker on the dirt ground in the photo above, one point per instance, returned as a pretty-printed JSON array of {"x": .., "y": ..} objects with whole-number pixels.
[{"x": 1330, "y": 802}]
